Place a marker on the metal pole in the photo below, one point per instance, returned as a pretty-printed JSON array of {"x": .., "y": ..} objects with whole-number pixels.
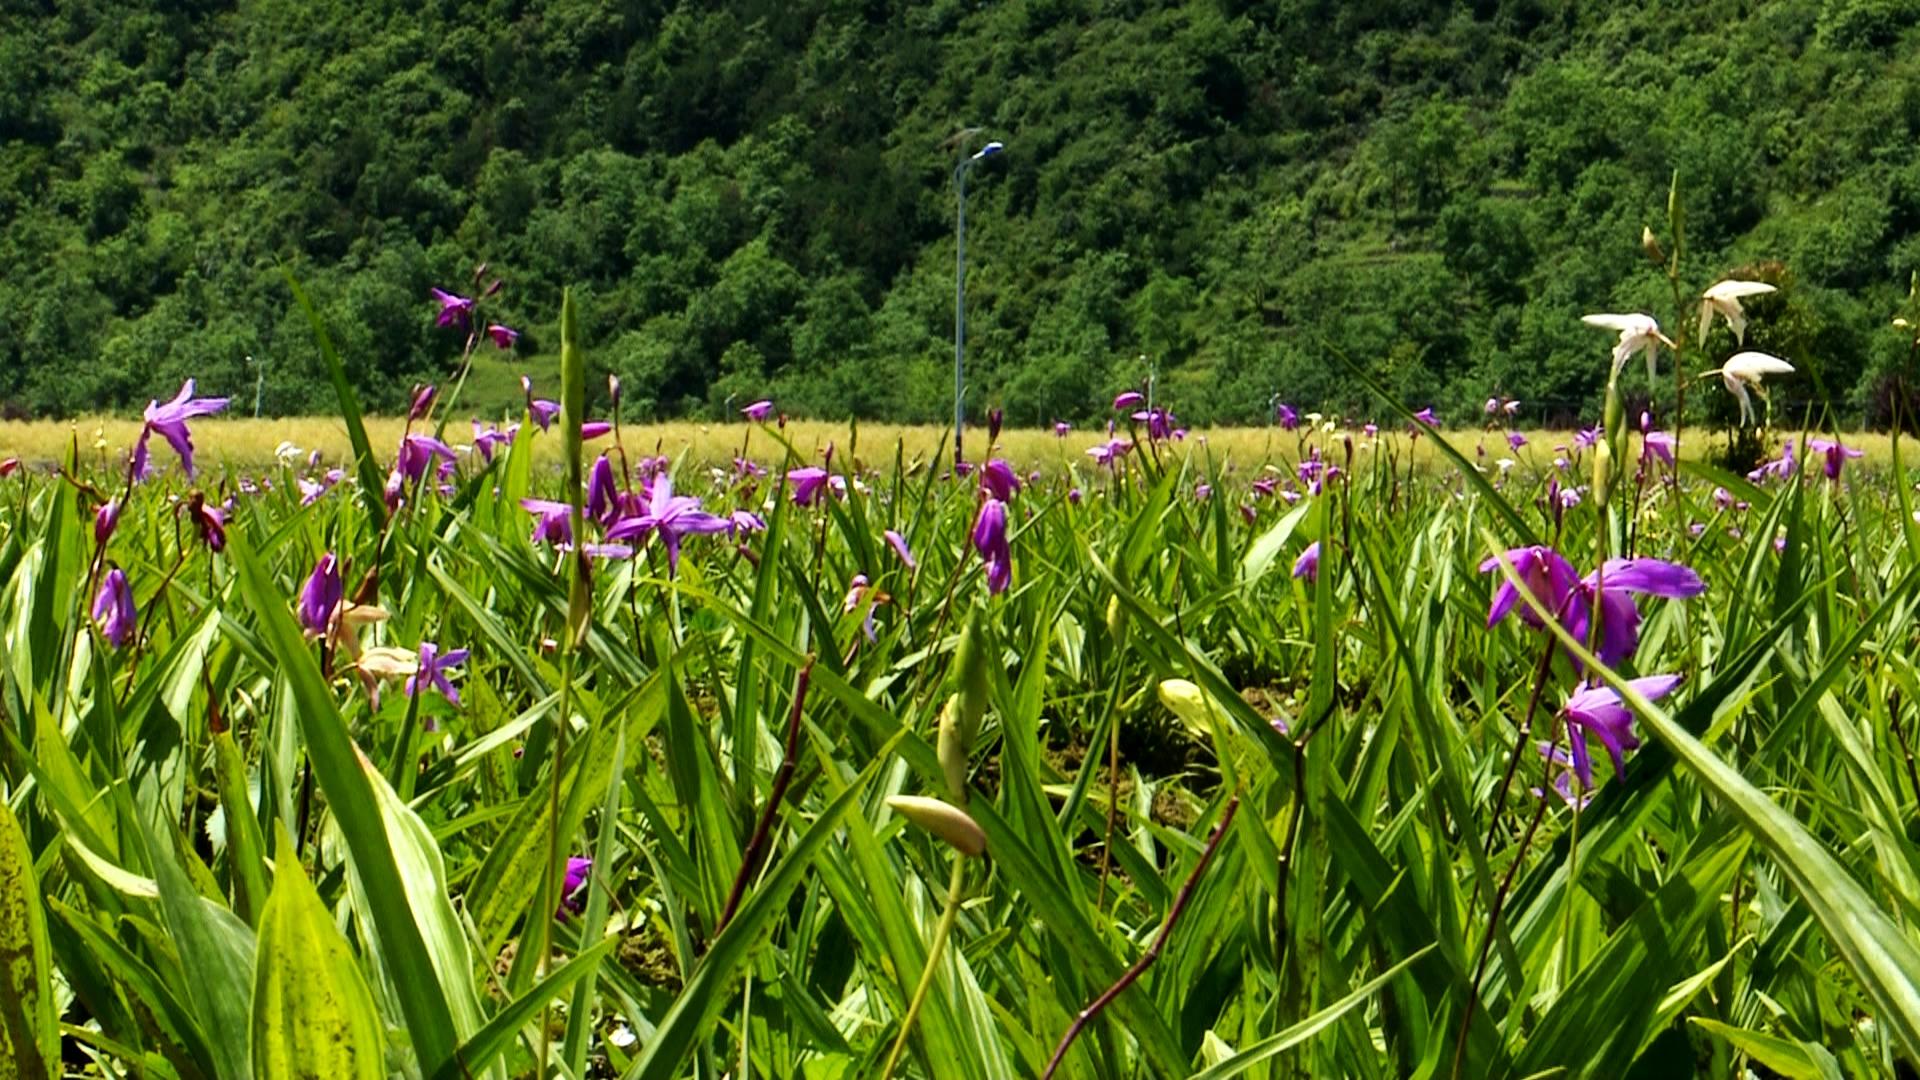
[{"x": 959, "y": 308}]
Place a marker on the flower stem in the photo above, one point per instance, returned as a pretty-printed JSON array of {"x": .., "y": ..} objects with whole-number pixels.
[
  {"x": 756, "y": 846},
  {"x": 940, "y": 934},
  {"x": 1140, "y": 966}
]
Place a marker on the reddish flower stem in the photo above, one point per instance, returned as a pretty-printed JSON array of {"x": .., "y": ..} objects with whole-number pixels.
[
  {"x": 781, "y": 780},
  {"x": 1132, "y": 974}
]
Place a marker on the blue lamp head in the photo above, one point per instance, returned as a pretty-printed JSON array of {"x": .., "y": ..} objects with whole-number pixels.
[{"x": 988, "y": 150}]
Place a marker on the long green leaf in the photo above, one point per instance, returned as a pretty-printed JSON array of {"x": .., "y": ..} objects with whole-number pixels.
[
  {"x": 338, "y": 767},
  {"x": 29, "y": 1034},
  {"x": 313, "y": 1014}
]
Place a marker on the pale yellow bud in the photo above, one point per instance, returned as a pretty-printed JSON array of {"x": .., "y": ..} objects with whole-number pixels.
[
  {"x": 942, "y": 819},
  {"x": 1190, "y": 703},
  {"x": 1651, "y": 245},
  {"x": 1602, "y": 471}
]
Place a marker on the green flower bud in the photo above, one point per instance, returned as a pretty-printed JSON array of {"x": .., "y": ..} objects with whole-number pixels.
[
  {"x": 1191, "y": 704},
  {"x": 955, "y": 747},
  {"x": 942, "y": 819},
  {"x": 970, "y": 665},
  {"x": 1602, "y": 471}
]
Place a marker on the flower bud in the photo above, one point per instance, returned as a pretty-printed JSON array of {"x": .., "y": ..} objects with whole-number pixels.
[
  {"x": 960, "y": 721},
  {"x": 1190, "y": 703},
  {"x": 1116, "y": 621},
  {"x": 954, "y": 749},
  {"x": 1651, "y": 246},
  {"x": 105, "y": 520},
  {"x": 1602, "y": 471},
  {"x": 942, "y": 819},
  {"x": 422, "y": 401}
]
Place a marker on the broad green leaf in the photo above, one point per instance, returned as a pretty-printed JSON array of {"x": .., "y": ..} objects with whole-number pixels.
[
  {"x": 1268, "y": 1048},
  {"x": 29, "y": 1034},
  {"x": 338, "y": 767},
  {"x": 313, "y": 1014},
  {"x": 1790, "y": 1058}
]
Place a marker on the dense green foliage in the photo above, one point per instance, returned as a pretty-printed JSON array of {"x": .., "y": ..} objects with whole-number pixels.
[
  {"x": 756, "y": 197},
  {"x": 894, "y": 765}
]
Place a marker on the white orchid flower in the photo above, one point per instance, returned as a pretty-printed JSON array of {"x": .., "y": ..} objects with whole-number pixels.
[
  {"x": 1638, "y": 333},
  {"x": 1723, "y": 299},
  {"x": 1746, "y": 369}
]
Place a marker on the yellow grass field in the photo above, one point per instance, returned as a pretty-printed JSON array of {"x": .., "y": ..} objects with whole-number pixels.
[{"x": 248, "y": 443}]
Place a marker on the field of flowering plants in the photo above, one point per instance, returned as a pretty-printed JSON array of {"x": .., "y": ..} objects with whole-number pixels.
[{"x": 1136, "y": 759}]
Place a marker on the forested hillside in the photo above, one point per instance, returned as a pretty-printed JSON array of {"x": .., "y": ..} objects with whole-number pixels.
[{"x": 755, "y": 198}]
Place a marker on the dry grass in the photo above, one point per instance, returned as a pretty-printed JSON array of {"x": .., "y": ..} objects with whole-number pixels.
[{"x": 247, "y": 443}]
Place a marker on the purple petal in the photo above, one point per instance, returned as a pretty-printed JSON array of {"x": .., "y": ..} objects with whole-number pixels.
[{"x": 1650, "y": 576}]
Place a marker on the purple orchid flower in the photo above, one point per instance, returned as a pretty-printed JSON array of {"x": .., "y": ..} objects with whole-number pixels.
[
  {"x": 1834, "y": 453},
  {"x": 1307, "y": 566},
  {"x": 105, "y": 520},
  {"x": 1551, "y": 580},
  {"x": 322, "y": 594},
  {"x": 170, "y": 420},
  {"x": 1128, "y": 400},
  {"x": 211, "y": 522},
  {"x": 807, "y": 483},
  {"x": 860, "y": 592},
  {"x": 1426, "y": 416},
  {"x": 1061, "y": 429},
  {"x": 543, "y": 411},
  {"x": 454, "y": 310},
  {"x": 990, "y": 540},
  {"x": 487, "y": 440},
  {"x": 1596, "y": 712},
  {"x": 573, "y": 895},
  {"x": 759, "y": 411},
  {"x": 1657, "y": 444},
  {"x": 1288, "y": 417},
  {"x": 1159, "y": 422},
  {"x": 998, "y": 479},
  {"x": 1781, "y": 467},
  {"x": 745, "y": 521},
  {"x": 433, "y": 669},
  {"x": 113, "y": 608},
  {"x": 672, "y": 517},
  {"x": 1563, "y": 779},
  {"x": 1074, "y": 495},
  {"x": 1110, "y": 452},
  {"x": 311, "y": 490},
  {"x": 603, "y": 495},
  {"x": 1202, "y": 491},
  {"x": 1515, "y": 440},
  {"x": 900, "y": 548},
  {"x": 422, "y": 401},
  {"x": 417, "y": 452},
  {"x": 1547, "y": 575},
  {"x": 1619, "y": 618},
  {"x": 554, "y": 524},
  {"x": 503, "y": 336}
]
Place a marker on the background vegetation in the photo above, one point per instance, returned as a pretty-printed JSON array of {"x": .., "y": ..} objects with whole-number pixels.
[{"x": 754, "y": 198}]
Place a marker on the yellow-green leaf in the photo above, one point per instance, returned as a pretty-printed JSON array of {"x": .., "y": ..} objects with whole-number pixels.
[
  {"x": 29, "y": 1034},
  {"x": 313, "y": 1014}
]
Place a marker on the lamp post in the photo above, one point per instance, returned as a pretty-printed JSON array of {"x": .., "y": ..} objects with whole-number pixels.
[
  {"x": 960, "y": 172},
  {"x": 259, "y": 383}
]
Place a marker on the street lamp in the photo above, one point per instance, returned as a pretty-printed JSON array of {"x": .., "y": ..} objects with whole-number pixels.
[
  {"x": 960, "y": 172},
  {"x": 259, "y": 383}
]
